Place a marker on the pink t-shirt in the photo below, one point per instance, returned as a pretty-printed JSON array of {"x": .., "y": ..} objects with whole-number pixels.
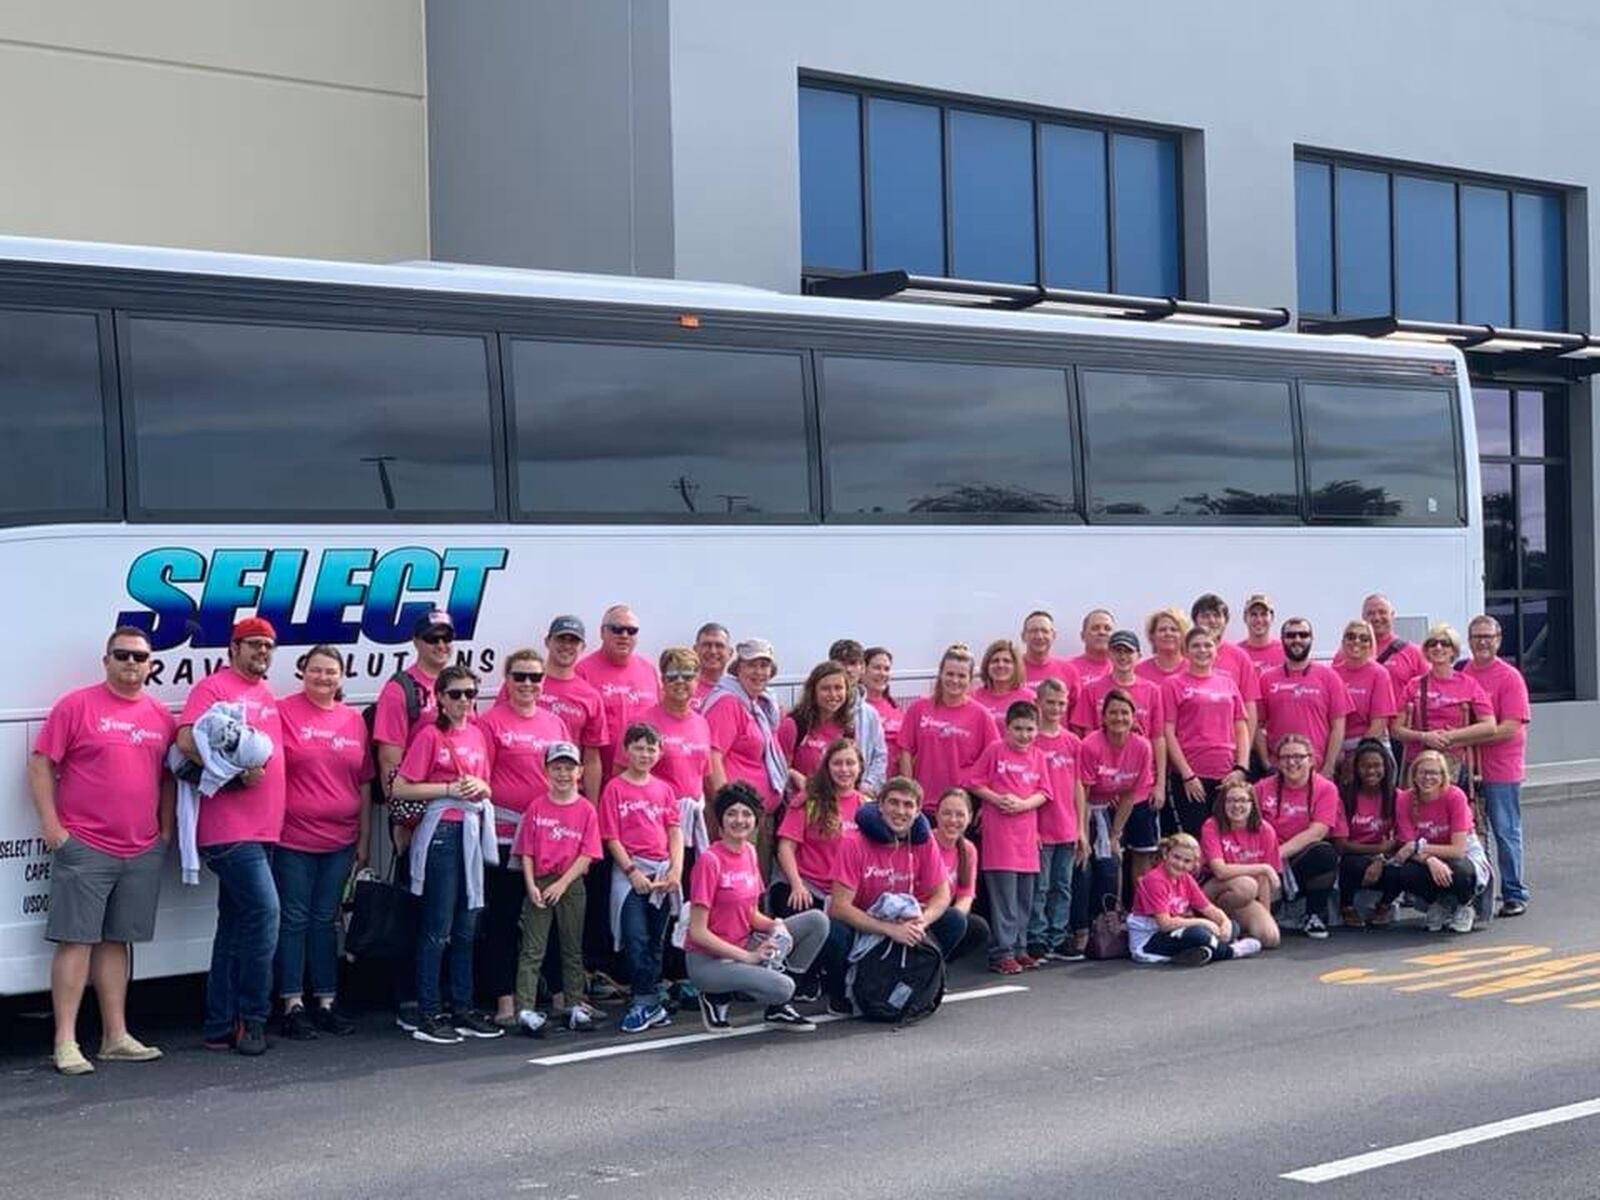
[
  {"x": 1064, "y": 669},
  {"x": 1239, "y": 847},
  {"x": 1108, "y": 771},
  {"x": 1241, "y": 668},
  {"x": 1503, "y": 762},
  {"x": 1450, "y": 813},
  {"x": 685, "y": 750},
  {"x": 516, "y": 755},
  {"x": 702, "y": 689},
  {"x": 326, "y": 763},
  {"x": 1058, "y": 820},
  {"x": 1148, "y": 715},
  {"x": 1204, "y": 711},
  {"x": 1371, "y": 693},
  {"x": 241, "y": 814},
  {"x": 1404, "y": 665},
  {"x": 109, "y": 754},
  {"x": 816, "y": 854},
  {"x": 944, "y": 741},
  {"x": 1367, "y": 826},
  {"x": 1158, "y": 892},
  {"x": 389, "y": 723},
  {"x": 555, "y": 835},
  {"x": 1305, "y": 702},
  {"x": 1291, "y": 810},
  {"x": 1149, "y": 668},
  {"x": 962, "y": 855},
  {"x": 738, "y": 737},
  {"x": 869, "y": 869},
  {"x": 638, "y": 815},
  {"x": 997, "y": 702},
  {"x": 1010, "y": 840},
  {"x": 892, "y": 717},
  {"x": 727, "y": 885},
  {"x": 1088, "y": 669},
  {"x": 1264, "y": 657},
  {"x": 626, "y": 690},
  {"x": 438, "y": 756},
  {"x": 579, "y": 707},
  {"x": 806, "y": 756},
  {"x": 1452, "y": 703}
]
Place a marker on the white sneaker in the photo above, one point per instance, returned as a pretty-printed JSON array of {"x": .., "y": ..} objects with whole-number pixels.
[
  {"x": 1437, "y": 913},
  {"x": 1461, "y": 920},
  {"x": 1246, "y": 946},
  {"x": 531, "y": 1023},
  {"x": 579, "y": 1020}
]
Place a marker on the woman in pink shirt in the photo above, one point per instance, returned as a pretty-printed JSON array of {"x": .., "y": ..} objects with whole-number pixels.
[
  {"x": 1433, "y": 822},
  {"x": 1370, "y": 688},
  {"x": 1303, "y": 807},
  {"x": 325, "y": 825},
  {"x": 732, "y": 945},
  {"x": 875, "y": 680},
  {"x": 1239, "y": 853},
  {"x": 1165, "y": 628},
  {"x": 1207, "y": 732},
  {"x": 1171, "y": 921},
  {"x": 685, "y": 736},
  {"x": 1366, "y": 835},
  {"x": 1000, "y": 680},
  {"x": 1444, "y": 709},
  {"x": 824, "y": 713},
  {"x": 1116, "y": 766},
  {"x": 951, "y": 820},
  {"x": 743, "y": 718},
  {"x": 943, "y": 734}
]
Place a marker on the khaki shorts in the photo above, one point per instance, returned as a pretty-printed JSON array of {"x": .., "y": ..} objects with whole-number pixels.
[{"x": 98, "y": 897}]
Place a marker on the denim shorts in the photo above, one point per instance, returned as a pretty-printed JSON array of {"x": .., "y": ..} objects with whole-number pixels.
[{"x": 98, "y": 897}]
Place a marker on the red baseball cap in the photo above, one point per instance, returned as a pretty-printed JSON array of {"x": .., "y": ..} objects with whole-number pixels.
[{"x": 254, "y": 627}]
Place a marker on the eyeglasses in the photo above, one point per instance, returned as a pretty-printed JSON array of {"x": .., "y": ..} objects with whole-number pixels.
[
  {"x": 527, "y": 677},
  {"x": 1294, "y": 758},
  {"x": 1435, "y": 643},
  {"x": 461, "y": 693},
  {"x": 137, "y": 656},
  {"x": 623, "y": 630},
  {"x": 677, "y": 676},
  {"x": 1297, "y": 635},
  {"x": 1483, "y": 637},
  {"x": 439, "y": 639}
]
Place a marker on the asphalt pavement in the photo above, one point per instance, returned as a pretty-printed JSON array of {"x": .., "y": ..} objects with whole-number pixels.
[{"x": 1098, "y": 1079}]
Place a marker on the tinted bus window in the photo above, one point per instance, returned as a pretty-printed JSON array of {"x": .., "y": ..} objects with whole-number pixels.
[
  {"x": 1380, "y": 452},
  {"x": 52, "y": 418},
  {"x": 659, "y": 430},
  {"x": 269, "y": 419},
  {"x": 1177, "y": 446},
  {"x": 934, "y": 437}
]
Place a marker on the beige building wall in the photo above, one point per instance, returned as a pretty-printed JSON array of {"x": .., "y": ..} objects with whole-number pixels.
[{"x": 293, "y": 127}]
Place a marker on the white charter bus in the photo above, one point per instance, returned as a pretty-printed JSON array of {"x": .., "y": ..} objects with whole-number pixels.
[{"x": 192, "y": 437}]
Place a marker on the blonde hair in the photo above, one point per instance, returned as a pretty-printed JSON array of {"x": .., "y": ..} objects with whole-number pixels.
[
  {"x": 1359, "y": 626},
  {"x": 954, "y": 652},
  {"x": 1446, "y": 631},
  {"x": 1433, "y": 758},
  {"x": 1179, "y": 841},
  {"x": 522, "y": 654},
  {"x": 681, "y": 657},
  {"x": 1177, "y": 614}
]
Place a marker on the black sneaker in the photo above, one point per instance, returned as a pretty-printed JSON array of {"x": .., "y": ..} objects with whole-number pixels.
[
  {"x": 436, "y": 1029},
  {"x": 807, "y": 991},
  {"x": 475, "y": 1024},
  {"x": 253, "y": 1039},
  {"x": 783, "y": 1016},
  {"x": 1513, "y": 908},
  {"x": 840, "y": 1006},
  {"x": 298, "y": 1027},
  {"x": 330, "y": 1020},
  {"x": 408, "y": 1016},
  {"x": 714, "y": 1014},
  {"x": 1193, "y": 956}
]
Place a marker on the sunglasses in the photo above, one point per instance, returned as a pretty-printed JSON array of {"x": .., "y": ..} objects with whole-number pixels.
[
  {"x": 439, "y": 639},
  {"x": 1297, "y": 635},
  {"x": 527, "y": 677},
  {"x": 258, "y": 643},
  {"x": 1435, "y": 643},
  {"x": 623, "y": 630},
  {"x": 461, "y": 693},
  {"x": 677, "y": 676},
  {"x": 1356, "y": 637},
  {"x": 137, "y": 656}
]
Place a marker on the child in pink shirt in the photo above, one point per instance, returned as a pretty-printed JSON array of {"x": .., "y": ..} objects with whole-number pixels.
[
  {"x": 1239, "y": 855},
  {"x": 951, "y": 820},
  {"x": 1172, "y": 920},
  {"x": 1011, "y": 779},
  {"x": 1063, "y": 830}
]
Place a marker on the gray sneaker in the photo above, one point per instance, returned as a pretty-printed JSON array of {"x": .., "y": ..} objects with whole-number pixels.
[
  {"x": 1437, "y": 914},
  {"x": 1461, "y": 920}
]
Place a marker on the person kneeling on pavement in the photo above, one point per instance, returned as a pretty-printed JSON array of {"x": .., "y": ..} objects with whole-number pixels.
[{"x": 1440, "y": 859}]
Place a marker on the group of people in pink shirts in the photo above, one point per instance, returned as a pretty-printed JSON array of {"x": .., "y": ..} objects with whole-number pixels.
[{"x": 669, "y": 822}]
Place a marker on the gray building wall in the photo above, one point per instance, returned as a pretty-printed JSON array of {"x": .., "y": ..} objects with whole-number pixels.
[{"x": 1473, "y": 85}]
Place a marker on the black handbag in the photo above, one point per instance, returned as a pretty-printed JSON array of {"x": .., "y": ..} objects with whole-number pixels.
[{"x": 383, "y": 920}]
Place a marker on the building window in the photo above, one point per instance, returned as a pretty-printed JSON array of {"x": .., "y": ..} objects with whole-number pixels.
[
  {"x": 893, "y": 182},
  {"x": 1522, "y": 446},
  {"x": 1371, "y": 241}
]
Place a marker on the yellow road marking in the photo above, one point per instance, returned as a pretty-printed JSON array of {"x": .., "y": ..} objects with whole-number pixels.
[{"x": 1443, "y": 963}]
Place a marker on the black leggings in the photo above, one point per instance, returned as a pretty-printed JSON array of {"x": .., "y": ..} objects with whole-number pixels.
[
  {"x": 1316, "y": 870},
  {"x": 975, "y": 938},
  {"x": 1412, "y": 876},
  {"x": 1351, "y": 868},
  {"x": 1190, "y": 937},
  {"x": 1183, "y": 814},
  {"x": 830, "y": 965}
]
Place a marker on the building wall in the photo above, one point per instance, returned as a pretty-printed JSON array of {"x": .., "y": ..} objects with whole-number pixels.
[{"x": 296, "y": 127}]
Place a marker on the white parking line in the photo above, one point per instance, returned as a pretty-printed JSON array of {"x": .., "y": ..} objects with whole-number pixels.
[
  {"x": 1355, "y": 1165},
  {"x": 690, "y": 1039}
]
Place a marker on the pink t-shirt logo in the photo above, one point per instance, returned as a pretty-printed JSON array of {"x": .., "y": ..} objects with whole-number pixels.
[
  {"x": 138, "y": 735},
  {"x": 944, "y": 729}
]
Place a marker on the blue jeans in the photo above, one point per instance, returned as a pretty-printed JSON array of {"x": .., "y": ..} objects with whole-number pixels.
[
  {"x": 1504, "y": 804},
  {"x": 446, "y": 922},
  {"x": 1052, "y": 896},
  {"x": 310, "y": 885},
  {"x": 948, "y": 930},
  {"x": 644, "y": 928},
  {"x": 240, "y": 982}
]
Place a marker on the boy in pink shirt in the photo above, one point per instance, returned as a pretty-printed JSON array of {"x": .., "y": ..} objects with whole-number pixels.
[
  {"x": 1063, "y": 831},
  {"x": 1012, "y": 781}
]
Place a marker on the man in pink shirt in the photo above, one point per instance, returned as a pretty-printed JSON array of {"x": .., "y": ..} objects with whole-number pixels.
[
  {"x": 1095, "y": 634},
  {"x": 1038, "y": 639},
  {"x": 574, "y": 699},
  {"x": 1263, "y": 649},
  {"x": 405, "y": 702},
  {"x": 105, "y": 804},
  {"x": 1501, "y": 756},
  {"x": 713, "y": 647},
  {"x": 627, "y": 683},
  {"x": 1304, "y": 697},
  {"x": 1210, "y": 612},
  {"x": 1400, "y": 658}
]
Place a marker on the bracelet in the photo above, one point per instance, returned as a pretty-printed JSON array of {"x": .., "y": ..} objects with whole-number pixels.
[{"x": 1185, "y": 779}]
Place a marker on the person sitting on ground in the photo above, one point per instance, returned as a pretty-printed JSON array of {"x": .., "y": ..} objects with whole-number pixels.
[
  {"x": 733, "y": 948},
  {"x": 1366, "y": 836},
  {"x": 1239, "y": 853},
  {"x": 1434, "y": 823},
  {"x": 1303, "y": 807},
  {"x": 1172, "y": 921}
]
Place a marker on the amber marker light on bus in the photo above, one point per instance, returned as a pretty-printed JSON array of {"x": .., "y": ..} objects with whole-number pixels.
[{"x": 689, "y": 321}]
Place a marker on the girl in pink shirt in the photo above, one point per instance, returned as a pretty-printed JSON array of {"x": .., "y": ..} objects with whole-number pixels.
[
  {"x": 1207, "y": 732},
  {"x": 1433, "y": 821},
  {"x": 951, "y": 820},
  {"x": 1366, "y": 833},
  {"x": 875, "y": 680},
  {"x": 1012, "y": 781},
  {"x": 1443, "y": 709},
  {"x": 1000, "y": 679},
  {"x": 943, "y": 734},
  {"x": 1171, "y": 919},
  {"x": 1239, "y": 852},
  {"x": 1303, "y": 807},
  {"x": 825, "y": 712},
  {"x": 732, "y": 944}
]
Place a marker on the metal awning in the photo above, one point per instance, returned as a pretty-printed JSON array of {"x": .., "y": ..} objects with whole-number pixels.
[{"x": 1491, "y": 351}]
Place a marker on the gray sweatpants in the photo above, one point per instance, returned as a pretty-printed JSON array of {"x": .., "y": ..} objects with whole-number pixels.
[
  {"x": 715, "y": 976},
  {"x": 1010, "y": 905}
]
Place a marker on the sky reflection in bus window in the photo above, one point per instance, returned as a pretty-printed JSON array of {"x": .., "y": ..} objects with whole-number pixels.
[
  {"x": 1381, "y": 452},
  {"x": 51, "y": 415}
]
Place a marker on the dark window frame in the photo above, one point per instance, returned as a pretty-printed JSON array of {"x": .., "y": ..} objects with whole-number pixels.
[{"x": 1038, "y": 117}]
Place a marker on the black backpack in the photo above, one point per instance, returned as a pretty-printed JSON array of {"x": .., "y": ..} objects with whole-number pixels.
[
  {"x": 898, "y": 984},
  {"x": 412, "y": 694}
]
